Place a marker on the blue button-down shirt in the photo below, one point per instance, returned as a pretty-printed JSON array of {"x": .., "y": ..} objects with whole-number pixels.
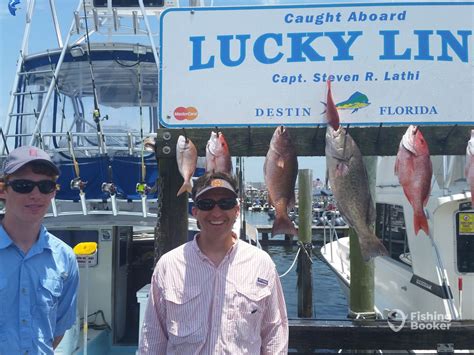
[{"x": 38, "y": 294}]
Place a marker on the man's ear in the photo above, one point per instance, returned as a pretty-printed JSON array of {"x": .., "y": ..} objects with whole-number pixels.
[{"x": 194, "y": 211}]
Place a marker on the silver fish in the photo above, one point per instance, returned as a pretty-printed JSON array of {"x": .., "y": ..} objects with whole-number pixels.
[{"x": 280, "y": 171}]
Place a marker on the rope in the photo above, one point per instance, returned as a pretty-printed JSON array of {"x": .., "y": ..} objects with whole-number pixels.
[{"x": 292, "y": 265}]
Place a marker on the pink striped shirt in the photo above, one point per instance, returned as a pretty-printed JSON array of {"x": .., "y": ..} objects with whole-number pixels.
[{"x": 195, "y": 307}]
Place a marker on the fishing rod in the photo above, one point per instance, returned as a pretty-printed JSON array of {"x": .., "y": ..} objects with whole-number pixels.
[
  {"x": 77, "y": 183},
  {"x": 142, "y": 188},
  {"x": 110, "y": 188},
  {"x": 96, "y": 113}
]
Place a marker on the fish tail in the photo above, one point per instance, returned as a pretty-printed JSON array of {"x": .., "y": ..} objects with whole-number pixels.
[
  {"x": 283, "y": 225},
  {"x": 420, "y": 222},
  {"x": 325, "y": 108},
  {"x": 186, "y": 187},
  {"x": 371, "y": 247}
]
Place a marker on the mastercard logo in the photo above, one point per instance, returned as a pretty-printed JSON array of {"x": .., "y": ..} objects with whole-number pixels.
[{"x": 185, "y": 113}]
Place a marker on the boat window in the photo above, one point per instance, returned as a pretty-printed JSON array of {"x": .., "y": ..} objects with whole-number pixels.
[
  {"x": 74, "y": 237},
  {"x": 390, "y": 228},
  {"x": 465, "y": 241}
]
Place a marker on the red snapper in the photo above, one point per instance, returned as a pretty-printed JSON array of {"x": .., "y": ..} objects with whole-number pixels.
[{"x": 414, "y": 170}]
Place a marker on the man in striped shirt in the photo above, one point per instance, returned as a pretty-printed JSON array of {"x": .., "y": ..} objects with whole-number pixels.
[{"x": 215, "y": 294}]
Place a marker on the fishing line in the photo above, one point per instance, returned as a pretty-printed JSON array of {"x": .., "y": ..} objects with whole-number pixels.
[
  {"x": 96, "y": 112},
  {"x": 143, "y": 167}
]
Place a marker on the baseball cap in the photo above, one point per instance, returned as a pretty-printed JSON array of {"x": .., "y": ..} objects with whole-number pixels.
[
  {"x": 216, "y": 184},
  {"x": 23, "y": 155}
]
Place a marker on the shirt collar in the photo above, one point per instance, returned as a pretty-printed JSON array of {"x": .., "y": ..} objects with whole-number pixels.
[
  {"x": 196, "y": 248},
  {"x": 5, "y": 240},
  {"x": 43, "y": 241}
]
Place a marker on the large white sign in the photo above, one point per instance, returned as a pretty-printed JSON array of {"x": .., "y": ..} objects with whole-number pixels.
[{"x": 394, "y": 63}]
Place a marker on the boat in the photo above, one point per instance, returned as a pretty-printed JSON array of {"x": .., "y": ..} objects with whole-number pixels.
[
  {"x": 90, "y": 100},
  {"x": 422, "y": 276},
  {"x": 256, "y": 207}
]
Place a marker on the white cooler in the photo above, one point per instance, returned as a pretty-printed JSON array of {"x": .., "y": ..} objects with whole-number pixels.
[{"x": 142, "y": 299}]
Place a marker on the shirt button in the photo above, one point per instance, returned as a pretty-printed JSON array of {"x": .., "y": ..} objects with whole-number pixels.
[
  {"x": 24, "y": 322},
  {"x": 23, "y": 290}
]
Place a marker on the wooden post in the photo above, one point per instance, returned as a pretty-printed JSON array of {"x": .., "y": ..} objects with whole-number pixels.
[
  {"x": 305, "y": 279},
  {"x": 361, "y": 304},
  {"x": 172, "y": 225}
]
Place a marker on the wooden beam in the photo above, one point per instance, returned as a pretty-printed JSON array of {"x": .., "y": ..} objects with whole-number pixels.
[
  {"x": 306, "y": 335},
  {"x": 172, "y": 224},
  {"x": 310, "y": 141}
]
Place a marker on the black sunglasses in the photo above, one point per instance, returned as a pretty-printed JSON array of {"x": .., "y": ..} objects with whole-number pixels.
[
  {"x": 23, "y": 186},
  {"x": 224, "y": 204}
]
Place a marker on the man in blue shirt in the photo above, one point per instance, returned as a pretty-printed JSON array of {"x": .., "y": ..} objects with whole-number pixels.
[{"x": 38, "y": 272}]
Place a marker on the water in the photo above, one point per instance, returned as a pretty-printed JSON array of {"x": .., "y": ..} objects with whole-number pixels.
[{"x": 328, "y": 300}]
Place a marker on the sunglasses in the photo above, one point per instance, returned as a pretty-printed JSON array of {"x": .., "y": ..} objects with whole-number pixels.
[
  {"x": 224, "y": 204},
  {"x": 23, "y": 186}
]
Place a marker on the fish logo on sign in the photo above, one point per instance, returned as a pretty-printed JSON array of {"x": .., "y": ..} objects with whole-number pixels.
[
  {"x": 355, "y": 102},
  {"x": 396, "y": 319}
]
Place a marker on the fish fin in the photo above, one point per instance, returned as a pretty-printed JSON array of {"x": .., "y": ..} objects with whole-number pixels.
[
  {"x": 283, "y": 225},
  {"x": 325, "y": 108},
  {"x": 342, "y": 169},
  {"x": 371, "y": 247},
  {"x": 281, "y": 163},
  {"x": 186, "y": 187},
  {"x": 397, "y": 162},
  {"x": 420, "y": 222}
]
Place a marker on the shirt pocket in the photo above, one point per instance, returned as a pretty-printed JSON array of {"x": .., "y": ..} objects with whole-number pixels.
[
  {"x": 48, "y": 293},
  {"x": 185, "y": 315},
  {"x": 45, "y": 313},
  {"x": 249, "y": 305}
]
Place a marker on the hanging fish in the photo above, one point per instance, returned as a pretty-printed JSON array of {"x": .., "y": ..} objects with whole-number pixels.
[
  {"x": 217, "y": 154},
  {"x": 350, "y": 184},
  {"x": 414, "y": 170},
  {"x": 186, "y": 157},
  {"x": 280, "y": 171},
  {"x": 470, "y": 165},
  {"x": 12, "y": 6}
]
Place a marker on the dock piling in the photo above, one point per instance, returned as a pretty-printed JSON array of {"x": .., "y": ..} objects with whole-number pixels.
[{"x": 305, "y": 279}]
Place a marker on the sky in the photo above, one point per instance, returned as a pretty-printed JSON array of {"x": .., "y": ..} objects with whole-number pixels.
[{"x": 11, "y": 35}]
